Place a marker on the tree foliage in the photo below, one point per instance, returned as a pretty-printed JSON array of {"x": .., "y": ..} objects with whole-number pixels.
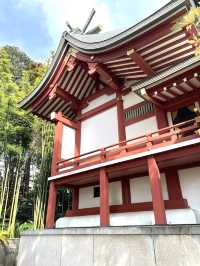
[
  {"x": 21, "y": 139},
  {"x": 191, "y": 19}
]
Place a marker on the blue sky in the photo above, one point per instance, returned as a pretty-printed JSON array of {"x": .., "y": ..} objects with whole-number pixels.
[{"x": 35, "y": 26}]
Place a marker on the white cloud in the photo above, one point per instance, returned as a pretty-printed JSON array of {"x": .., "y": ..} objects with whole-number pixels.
[{"x": 57, "y": 12}]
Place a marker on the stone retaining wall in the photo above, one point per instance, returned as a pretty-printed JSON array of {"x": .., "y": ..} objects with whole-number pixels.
[
  {"x": 112, "y": 246},
  {"x": 8, "y": 252}
]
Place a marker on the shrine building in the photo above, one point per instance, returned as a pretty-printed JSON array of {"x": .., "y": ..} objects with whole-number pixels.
[{"x": 126, "y": 108}]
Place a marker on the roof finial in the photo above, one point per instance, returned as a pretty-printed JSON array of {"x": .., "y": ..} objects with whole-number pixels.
[{"x": 91, "y": 15}]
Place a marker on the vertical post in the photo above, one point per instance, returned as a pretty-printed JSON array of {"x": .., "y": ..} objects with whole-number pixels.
[
  {"x": 104, "y": 199},
  {"x": 78, "y": 141},
  {"x": 156, "y": 191},
  {"x": 75, "y": 198},
  {"x": 121, "y": 122},
  {"x": 161, "y": 117},
  {"x": 57, "y": 146},
  {"x": 51, "y": 208},
  {"x": 126, "y": 193},
  {"x": 173, "y": 184}
]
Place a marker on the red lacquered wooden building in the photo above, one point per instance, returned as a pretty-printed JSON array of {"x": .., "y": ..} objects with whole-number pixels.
[{"x": 125, "y": 105}]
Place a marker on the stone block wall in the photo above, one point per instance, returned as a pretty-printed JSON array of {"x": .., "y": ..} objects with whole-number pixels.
[{"x": 112, "y": 246}]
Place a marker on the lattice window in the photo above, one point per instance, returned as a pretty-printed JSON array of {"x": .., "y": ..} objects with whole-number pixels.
[{"x": 139, "y": 112}]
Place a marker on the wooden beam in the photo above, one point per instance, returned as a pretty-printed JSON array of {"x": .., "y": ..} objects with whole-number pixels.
[
  {"x": 156, "y": 191},
  {"x": 139, "y": 60},
  {"x": 58, "y": 117},
  {"x": 51, "y": 207},
  {"x": 64, "y": 95},
  {"x": 104, "y": 198},
  {"x": 105, "y": 75}
]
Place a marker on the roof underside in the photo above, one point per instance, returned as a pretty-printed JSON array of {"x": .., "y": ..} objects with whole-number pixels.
[{"x": 126, "y": 57}]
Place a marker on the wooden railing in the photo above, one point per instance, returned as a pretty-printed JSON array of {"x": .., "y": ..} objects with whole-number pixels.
[{"x": 177, "y": 133}]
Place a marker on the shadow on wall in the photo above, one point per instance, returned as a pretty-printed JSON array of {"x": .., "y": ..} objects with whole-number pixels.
[{"x": 8, "y": 252}]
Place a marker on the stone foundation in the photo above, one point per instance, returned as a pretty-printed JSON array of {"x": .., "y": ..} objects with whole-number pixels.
[
  {"x": 174, "y": 245},
  {"x": 8, "y": 252}
]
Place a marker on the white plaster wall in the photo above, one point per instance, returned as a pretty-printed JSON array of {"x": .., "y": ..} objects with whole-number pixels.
[
  {"x": 141, "y": 128},
  {"x": 190, "y": 185},
  {"x": 68, "y": 143},
  {"x": 99, "y": 131},
  {"x": 131, "y": 99},
  {"x": 86, "y": 199},
  {"x": 97, "y": 102},
  {"x": 180, "y": 216},
  {"x": 141, "y": 190}
]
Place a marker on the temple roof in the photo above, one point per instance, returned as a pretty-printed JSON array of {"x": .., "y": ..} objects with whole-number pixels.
[{"x": 89, "y": 64}]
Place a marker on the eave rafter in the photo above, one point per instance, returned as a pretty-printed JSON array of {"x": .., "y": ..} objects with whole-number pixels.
[
  {"x": 58, "y": 92},
  {"x": 106, "y": 76},
  {"x": 156, "y": 94},
  {"x": 139, "y": 60}
]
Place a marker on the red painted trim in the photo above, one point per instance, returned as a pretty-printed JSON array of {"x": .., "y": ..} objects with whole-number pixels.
[
  {"x": 156, "y": 191},
  {"x": 51, "y": 207},
  {"x": 173, "y": 184},
  {"x": 134, "y": 207},
  {"x": 98, "y": 110},
  {"x": 126, "y": 193},
  {"x": 161, "y": 117},
  {"x": 66, "y": 121},
  {"x": 75, "y": 198},
  {"x": 121, "y": 120},
  {"x": 57, "y": 147},
  {"x": 104, "y": 198}
]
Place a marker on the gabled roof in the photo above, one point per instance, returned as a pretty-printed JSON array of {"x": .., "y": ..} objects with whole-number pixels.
[{"x": 85, "y": 65}]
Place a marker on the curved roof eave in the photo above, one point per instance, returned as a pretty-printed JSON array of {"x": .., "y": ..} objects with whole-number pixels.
[
  {"x": 98, "y": 43},
  {"x": 58, "y": 55}
]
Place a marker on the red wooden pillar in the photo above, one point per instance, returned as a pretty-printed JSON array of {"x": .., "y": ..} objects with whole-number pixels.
[
  {"x": 78, "y": 137},
  {"x": 173, "y": 184},
  {"x": 126, "y": 193},
  {"x": 161, "y": 118},
  {"x": 104, "y": 199},
  {"x": 57, "y": 146},
  {"x": 156, "y": 191},
  {"x": 51, "y": 208},
  {"x": 121, "y": 122},
  {"x": 75, "y": 198}
]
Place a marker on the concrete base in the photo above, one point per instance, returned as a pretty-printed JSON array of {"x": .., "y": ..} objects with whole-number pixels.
[{"x": 174, "y": 245}]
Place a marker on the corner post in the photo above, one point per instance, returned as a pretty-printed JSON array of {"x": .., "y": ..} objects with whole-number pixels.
[
  {"x": 104, "y": 199},
  {"x": 57, "y": 147},
  {"x": 156, "y": 191},
  {"x": 51, "y": 208}
]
